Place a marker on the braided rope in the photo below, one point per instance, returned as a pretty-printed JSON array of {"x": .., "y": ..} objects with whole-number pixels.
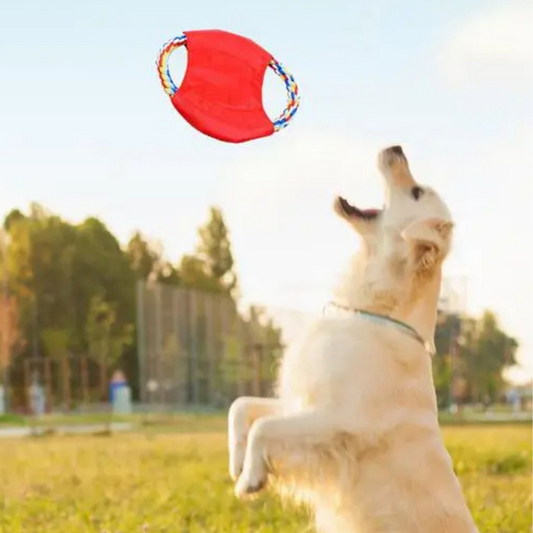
[
  {"x": 162, "y": 63},
  {"x": 293, "y": 97}
]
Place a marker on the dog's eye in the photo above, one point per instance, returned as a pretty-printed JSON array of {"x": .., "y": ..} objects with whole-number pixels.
[{"x": 417, "y": 192}]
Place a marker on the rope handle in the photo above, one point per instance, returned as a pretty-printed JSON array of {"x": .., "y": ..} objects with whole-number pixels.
[{"x": 293, "y": 97}]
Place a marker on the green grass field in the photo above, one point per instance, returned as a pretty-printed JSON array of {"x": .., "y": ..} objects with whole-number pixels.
[{"x": 176, "y": 482}]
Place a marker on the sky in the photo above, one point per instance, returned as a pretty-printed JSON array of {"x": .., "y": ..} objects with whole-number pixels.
[{"x": 85, "y": 129}]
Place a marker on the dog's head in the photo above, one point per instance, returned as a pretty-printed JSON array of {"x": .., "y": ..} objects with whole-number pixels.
[{"x": 413, "y": 215}]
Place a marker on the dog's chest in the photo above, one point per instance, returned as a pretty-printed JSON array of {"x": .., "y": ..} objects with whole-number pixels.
[{"x": 317, "y": 370}]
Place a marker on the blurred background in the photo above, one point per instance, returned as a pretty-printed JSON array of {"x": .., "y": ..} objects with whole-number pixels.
[{"x": 82, "y": 316}]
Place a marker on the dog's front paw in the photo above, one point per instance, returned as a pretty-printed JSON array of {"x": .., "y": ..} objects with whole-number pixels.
[{"x": 253, "y": 478}]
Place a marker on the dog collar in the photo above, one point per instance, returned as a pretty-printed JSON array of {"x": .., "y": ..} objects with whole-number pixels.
[{"x": 384, "y": 320}]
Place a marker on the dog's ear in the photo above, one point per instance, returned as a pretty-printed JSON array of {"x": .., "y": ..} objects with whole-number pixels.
[{"x": 430, "y": 238}]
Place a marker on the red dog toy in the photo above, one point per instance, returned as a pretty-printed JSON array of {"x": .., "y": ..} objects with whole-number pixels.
[{"x": 221, "y": 92}]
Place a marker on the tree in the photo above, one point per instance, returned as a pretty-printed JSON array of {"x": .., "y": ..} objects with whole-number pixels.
[
  {"x": 38, "y": 257},
  {"x": 143, "y": 256},
  {"x": 484, "y": 351},
  {"x": 101, "y": 269},
  {"x": 13, "y": 216},
  {"x": 10, "y": 336},
  {"x": 446, "y": 331},
  {"x": 168, "y": 274},
  {"x": 146, "y": 260},
  {"x": 55, "y": 268},
  {"x": 106, "y": 339},
  {"x": 193, "y": 274},
  {"x": 214, "y": 250}
]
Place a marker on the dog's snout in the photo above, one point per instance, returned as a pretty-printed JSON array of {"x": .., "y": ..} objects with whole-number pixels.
[
  {"x": 394, "y": 166},
  {"x": 396, "y": 150},
  {"x": 391, "y": 155}
]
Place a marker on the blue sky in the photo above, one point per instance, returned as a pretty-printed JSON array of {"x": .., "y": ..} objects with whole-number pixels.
[{"x": 85, "y": 128}]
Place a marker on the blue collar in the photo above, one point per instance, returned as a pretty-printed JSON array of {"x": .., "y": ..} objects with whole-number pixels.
[{"x": 384, "y": 320}]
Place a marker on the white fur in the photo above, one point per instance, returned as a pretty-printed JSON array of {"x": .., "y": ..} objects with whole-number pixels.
[{"x": 354, "y": 430}]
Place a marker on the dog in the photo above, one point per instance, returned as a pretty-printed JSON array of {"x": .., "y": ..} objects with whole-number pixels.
[{"x": 353, "y": 428}]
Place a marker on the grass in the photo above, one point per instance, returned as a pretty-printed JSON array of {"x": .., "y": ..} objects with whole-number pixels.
[
  {"x": 79, "y": 419},
  {"x": 176, "y": 482},
  {"x": 50, "y": 420},
  {"x": 207, "y": 421},
  {"x": 12, "y": 420}
]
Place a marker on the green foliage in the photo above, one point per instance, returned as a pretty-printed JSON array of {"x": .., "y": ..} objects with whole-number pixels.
[
  {"x": 55, "y": 342},
  {"x": 12, "y": 217},
  {"x": 105, "y": 337},
  {"x": 143, "y": 256},
  {"x": 56, "y": 269},
  {"x": 214, "y": 251},
  {"x": 483, "y": 351},
  {"x": 487, "y": 351},
  {"x": 193, "y": 274}
]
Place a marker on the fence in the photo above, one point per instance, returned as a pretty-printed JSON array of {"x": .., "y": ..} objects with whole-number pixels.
[
  {"x": 196, "y": 348},
  {"x": 67, "y": 383}
]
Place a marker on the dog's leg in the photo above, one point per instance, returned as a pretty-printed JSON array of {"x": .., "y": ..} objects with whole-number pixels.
[
  {"x": 273, "y": 433},
  {"x": 243, "y": 413}
]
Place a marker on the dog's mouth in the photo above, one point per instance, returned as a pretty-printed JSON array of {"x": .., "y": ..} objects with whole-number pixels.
[{"x": 347, "y": 210}]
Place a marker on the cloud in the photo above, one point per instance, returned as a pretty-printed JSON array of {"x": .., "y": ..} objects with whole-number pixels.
[{"x": 494, "y": 46}]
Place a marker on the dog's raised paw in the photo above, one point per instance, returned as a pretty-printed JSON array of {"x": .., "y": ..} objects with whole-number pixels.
[
  {"x": 244, "y": 490},
  {"x": 250, "y": 484}
]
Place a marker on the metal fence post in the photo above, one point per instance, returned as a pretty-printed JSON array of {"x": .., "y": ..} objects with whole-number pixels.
[
  {"x": 141, "y": 340},
  {"x": 209, "y": 338},
  {"x": 158, "y": 344},
  {"x": 193, "y": 344},
  {"x": 7, "y": 309},
  {"x": 241, "y": 357},
  {"x": 258, "y": 374}
]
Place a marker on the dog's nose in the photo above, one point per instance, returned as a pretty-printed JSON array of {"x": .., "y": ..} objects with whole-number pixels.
[
  {"x": 394, "y": 166},
  {"x": 392, "y": 154},
  {"x": 396, "y": 150}
]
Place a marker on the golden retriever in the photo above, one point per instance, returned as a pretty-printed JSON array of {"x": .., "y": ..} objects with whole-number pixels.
[{"x": 353, "y": 430}]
